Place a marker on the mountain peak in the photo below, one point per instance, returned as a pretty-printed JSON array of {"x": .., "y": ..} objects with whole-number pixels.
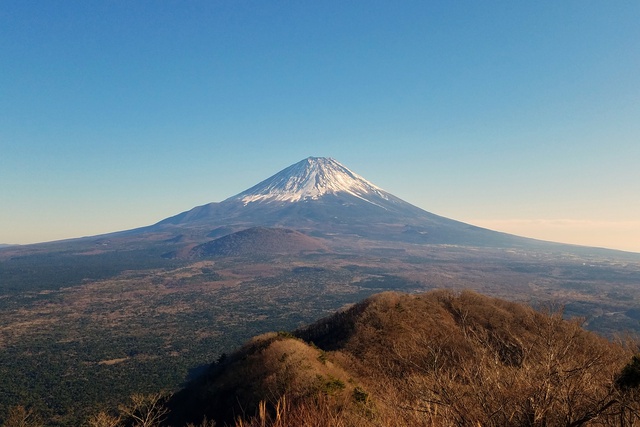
[{"x": 311, "y": 179}]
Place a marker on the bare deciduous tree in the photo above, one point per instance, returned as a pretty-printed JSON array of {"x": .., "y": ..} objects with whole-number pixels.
[
  {"x": 19, "y": 416},
  {"x": 103, "y": 419},
  {"x": 145, "y": 410}
]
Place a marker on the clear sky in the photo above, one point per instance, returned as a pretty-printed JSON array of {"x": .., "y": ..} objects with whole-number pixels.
[{"x": 521, "y": 116}]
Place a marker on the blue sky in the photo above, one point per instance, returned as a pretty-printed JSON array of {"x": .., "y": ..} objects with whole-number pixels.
[{"x": 519, "y": 116}]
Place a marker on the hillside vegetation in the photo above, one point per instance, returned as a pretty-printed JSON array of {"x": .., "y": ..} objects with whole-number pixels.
[{"x": 435, "y": 359}]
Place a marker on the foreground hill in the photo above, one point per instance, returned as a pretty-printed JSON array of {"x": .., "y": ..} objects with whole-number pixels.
[{"x": 435, "y": 359}]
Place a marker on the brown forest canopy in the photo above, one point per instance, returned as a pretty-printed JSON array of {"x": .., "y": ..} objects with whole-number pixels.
[{"x": 435, "y": 359}]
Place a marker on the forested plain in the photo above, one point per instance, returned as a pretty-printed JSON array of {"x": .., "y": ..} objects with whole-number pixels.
[{"x": 81, "y": 333}]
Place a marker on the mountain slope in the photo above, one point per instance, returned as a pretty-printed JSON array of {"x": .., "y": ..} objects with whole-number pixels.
[{"x": 320, "y": 196}]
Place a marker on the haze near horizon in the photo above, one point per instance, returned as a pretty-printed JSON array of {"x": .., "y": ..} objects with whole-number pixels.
[{"x": 520, "y": 118}]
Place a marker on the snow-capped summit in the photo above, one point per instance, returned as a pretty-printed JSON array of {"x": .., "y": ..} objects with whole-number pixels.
[{"x": 310, "y": 179}]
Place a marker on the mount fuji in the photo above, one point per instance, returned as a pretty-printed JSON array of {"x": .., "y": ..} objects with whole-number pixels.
[{"x": 321, "y": 197}]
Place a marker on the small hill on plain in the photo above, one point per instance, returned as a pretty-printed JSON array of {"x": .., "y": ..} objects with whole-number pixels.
[
  {"x": 258, "y": 241},
  {"x": 434, "y": 359}
]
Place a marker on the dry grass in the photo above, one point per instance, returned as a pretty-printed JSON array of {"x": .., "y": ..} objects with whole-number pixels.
[{"x": 112, "y": 361}]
